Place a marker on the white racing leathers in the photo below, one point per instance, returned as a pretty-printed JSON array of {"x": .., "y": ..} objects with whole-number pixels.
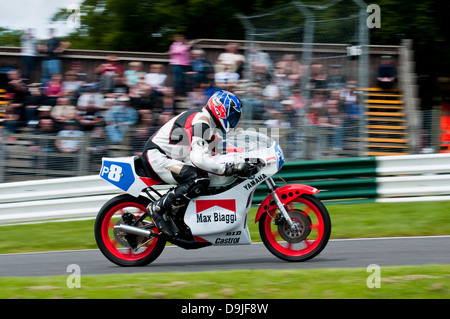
[{"x": 190, "y": 138}]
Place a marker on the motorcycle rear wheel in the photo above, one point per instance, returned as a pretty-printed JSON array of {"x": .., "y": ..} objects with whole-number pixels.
[
  {"x": 311, "y": 236},
  {"x": 113, "y": 244}
]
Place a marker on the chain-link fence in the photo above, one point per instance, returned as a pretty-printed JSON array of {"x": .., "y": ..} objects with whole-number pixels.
[
  {"x": 37, "y": 155},
  {"x": 304, "y": 65}
]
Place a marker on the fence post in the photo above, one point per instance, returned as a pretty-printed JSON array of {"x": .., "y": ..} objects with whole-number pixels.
[{"x": 2, "y": 156}]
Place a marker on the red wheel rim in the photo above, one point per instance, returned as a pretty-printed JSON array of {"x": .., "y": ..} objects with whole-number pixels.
[
  {"x": 112, "y": 245},
  {"x": 306, "y": 246}
]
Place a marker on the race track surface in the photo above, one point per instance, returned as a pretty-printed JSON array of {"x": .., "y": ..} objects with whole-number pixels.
[{"x": 337, "y": 254}]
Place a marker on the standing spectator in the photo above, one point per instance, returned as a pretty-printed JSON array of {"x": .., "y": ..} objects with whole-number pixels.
[
  {"x": 107, "y": 71},
  {"x": 53, "y": 48},
  {"x": 230, "y": 57},
  {"x": 29, "y": 53},
  {"x": 118, "y": 119},
  {"x": 180, "y": 61}
]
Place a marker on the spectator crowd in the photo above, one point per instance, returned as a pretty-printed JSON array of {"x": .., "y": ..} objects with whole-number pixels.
[{"x": 126, "y": 100}]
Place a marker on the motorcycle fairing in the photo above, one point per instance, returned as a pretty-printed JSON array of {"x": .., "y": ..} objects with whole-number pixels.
[
  {"x": 222, "y": 218},
  {"x": 120, "y": 171}
]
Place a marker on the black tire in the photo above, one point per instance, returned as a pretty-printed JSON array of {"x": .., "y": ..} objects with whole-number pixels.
[
  {"x": 315, "y": 229},
  {"x": 109, "y": 244}
]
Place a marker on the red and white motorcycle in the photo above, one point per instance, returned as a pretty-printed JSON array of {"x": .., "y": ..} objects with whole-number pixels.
[{"x": 293, "y": 224}]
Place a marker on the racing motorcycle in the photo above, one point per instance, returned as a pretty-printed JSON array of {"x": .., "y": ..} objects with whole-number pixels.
[{"x": 293, "y": 224}]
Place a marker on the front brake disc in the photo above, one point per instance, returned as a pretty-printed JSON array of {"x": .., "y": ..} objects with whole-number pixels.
[{"x": 301, "y": 229}]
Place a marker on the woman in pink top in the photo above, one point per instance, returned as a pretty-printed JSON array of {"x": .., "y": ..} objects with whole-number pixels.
[
  {"x": 54, "y": 89},
  {"x": 180, "y": 60}
]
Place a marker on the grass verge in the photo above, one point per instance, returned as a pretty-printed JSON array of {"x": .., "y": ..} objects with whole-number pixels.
[{"x": 407, "y": 282}]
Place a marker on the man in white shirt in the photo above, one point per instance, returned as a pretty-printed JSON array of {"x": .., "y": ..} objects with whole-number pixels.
[
  {"x": 230, "y": 57},
  {"x": 71, "y": 145},
  {"x": 29, "y": 52},
  {"x": 226, "y": 79}
]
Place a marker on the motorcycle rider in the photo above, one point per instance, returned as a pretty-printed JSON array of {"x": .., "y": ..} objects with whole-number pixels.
[{"x": 181, "y": 152}]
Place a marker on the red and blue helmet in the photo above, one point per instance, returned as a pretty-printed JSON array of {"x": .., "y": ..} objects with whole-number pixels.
[{"x": 225, "y": 107}]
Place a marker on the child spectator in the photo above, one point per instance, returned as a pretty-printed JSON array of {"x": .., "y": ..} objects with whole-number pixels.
[{"x": 134, "y": 74}]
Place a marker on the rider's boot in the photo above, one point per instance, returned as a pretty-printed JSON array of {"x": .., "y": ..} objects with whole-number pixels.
[
  {"x": 159, "y": 209},
  {"x": 193, "y": 183}
]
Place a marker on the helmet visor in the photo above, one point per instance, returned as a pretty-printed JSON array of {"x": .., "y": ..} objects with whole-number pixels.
[{"x": 233, "y": 117}]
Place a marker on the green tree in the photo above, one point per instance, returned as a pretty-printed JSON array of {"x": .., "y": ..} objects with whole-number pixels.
[
  {"x": 10, "y": 38},
  {"x": 148, "y": 25}
]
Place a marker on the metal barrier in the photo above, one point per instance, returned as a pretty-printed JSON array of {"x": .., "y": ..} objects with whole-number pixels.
[
  {"x": 380, "y": 179},
  {"x": 59, "y": 198},
  {"x": 336, "y": 178}
]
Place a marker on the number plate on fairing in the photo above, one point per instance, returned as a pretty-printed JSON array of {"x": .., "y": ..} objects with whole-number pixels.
[{"x": 120, "y": 174}]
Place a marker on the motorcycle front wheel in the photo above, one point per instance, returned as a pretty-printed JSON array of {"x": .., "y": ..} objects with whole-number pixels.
[
  {"x": 307, "y": 240},
  {"x": 115, "y": 244}
]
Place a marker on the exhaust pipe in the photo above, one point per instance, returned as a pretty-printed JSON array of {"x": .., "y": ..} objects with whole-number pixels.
[{"x": 133, "y": 230}]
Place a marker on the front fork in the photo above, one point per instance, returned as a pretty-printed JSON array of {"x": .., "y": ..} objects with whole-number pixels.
[{"x": 272, "y": 187}]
